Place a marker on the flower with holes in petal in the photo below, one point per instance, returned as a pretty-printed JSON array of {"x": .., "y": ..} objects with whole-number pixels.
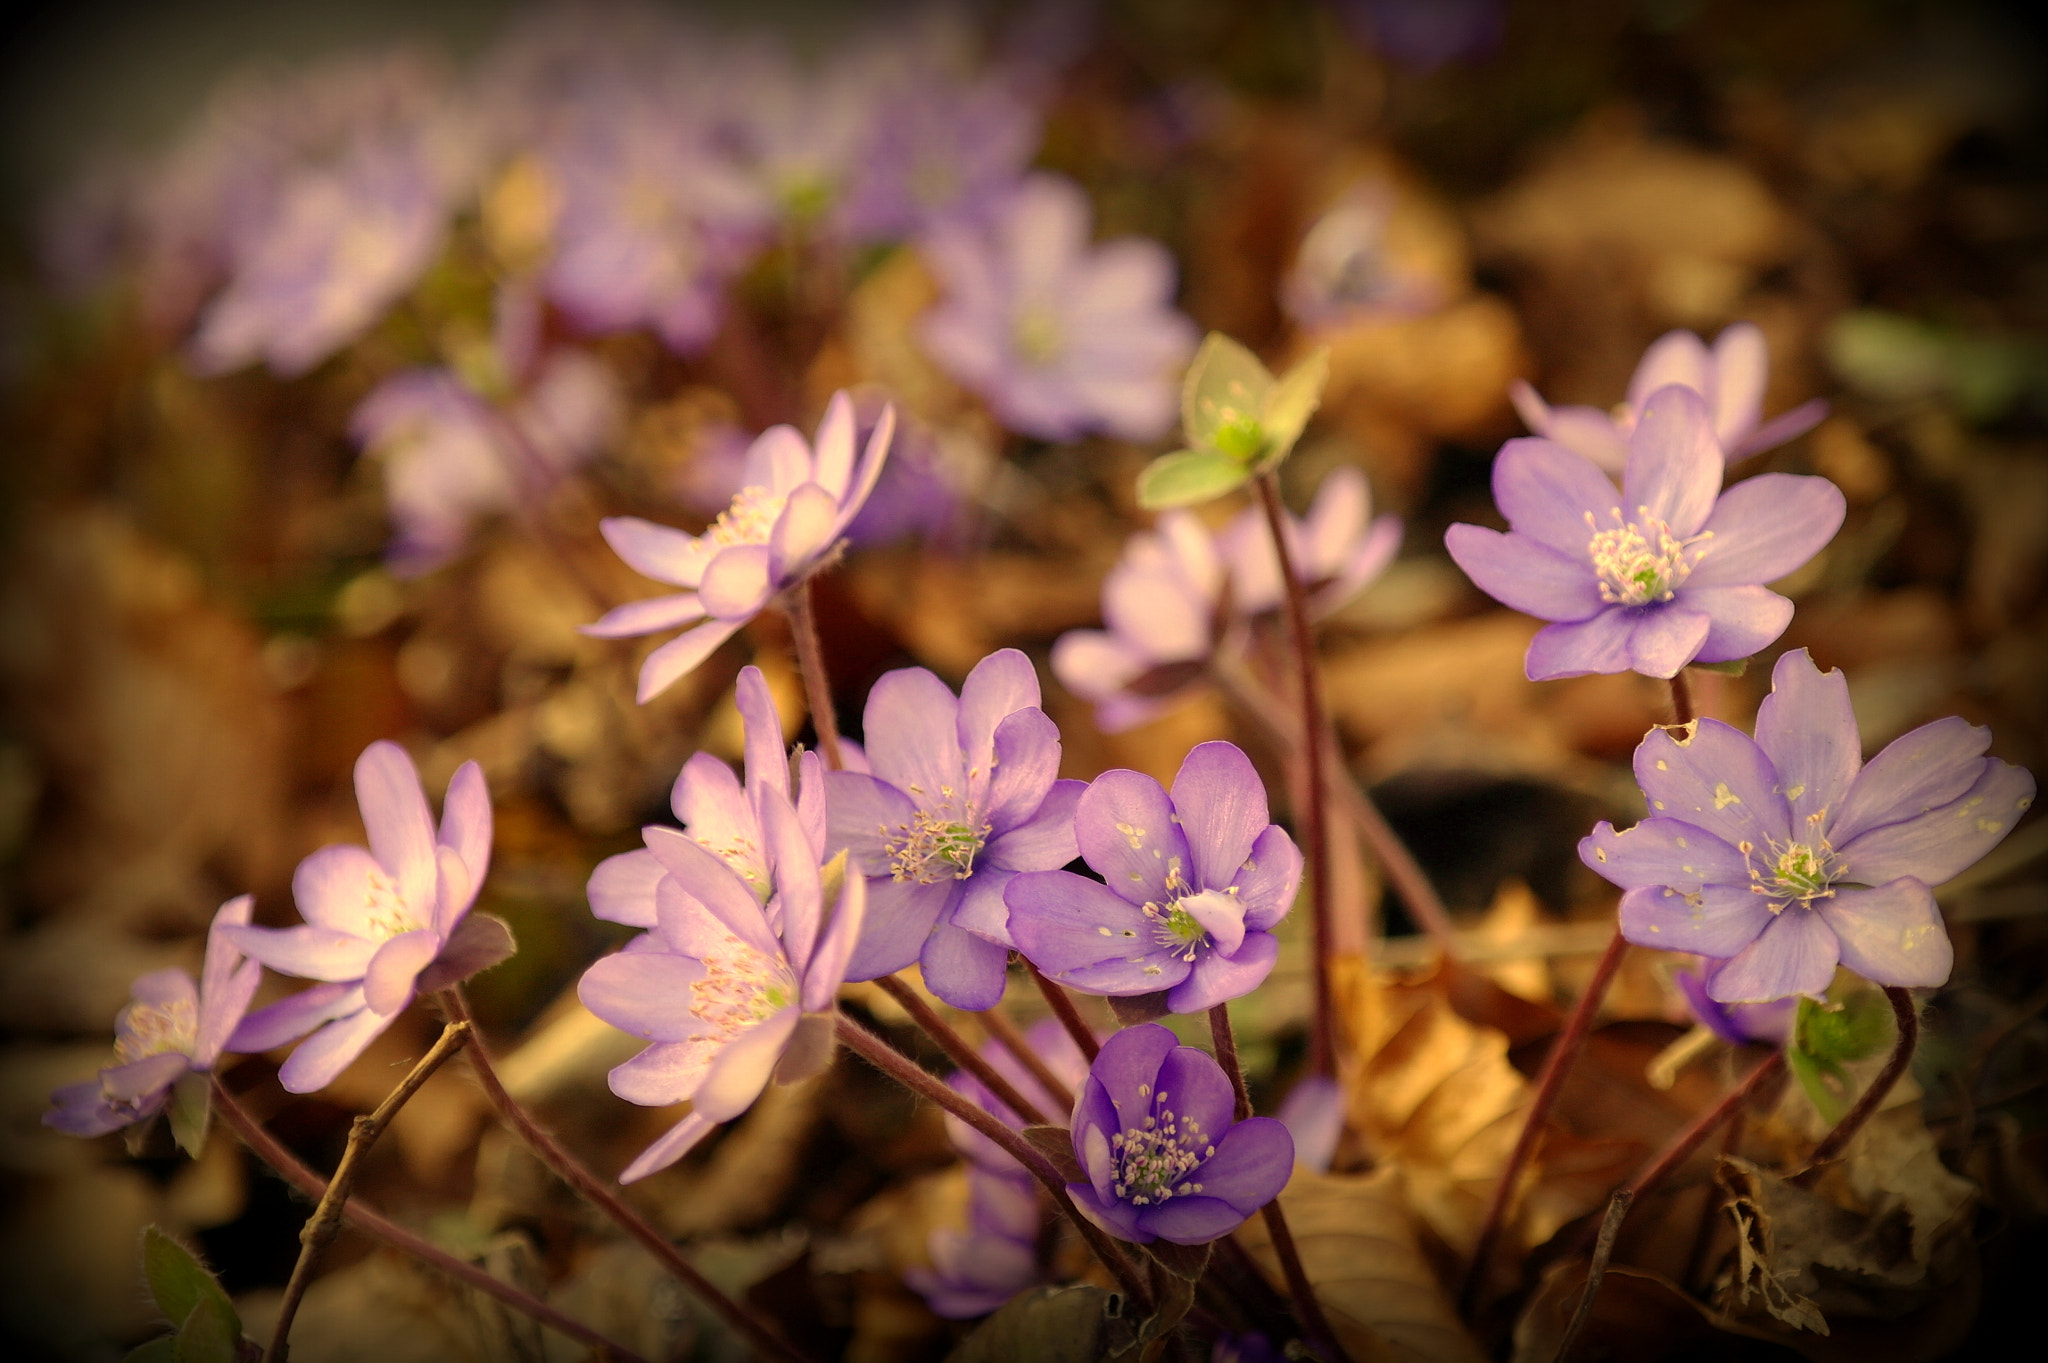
[
  {"x": 382, "y": 923},
  {"x": 784, "y": 525},
  {"x": 1155, "y": 1132},
  {"x": 1195, "y": 883},
  {"x": 1665, "y": 574},
  {"x": 1786, "y": 855}
]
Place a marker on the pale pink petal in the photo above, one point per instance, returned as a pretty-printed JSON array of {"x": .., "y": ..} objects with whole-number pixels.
[
  {"x": 737, "y": 583},
  {"x": 388, "y": 981},
  {"x": 681, "y": 656},
  {"x": 322, "y": 1057},
  {"x": 400, "y": 826},
  {"x": 744, "y": 1067}
]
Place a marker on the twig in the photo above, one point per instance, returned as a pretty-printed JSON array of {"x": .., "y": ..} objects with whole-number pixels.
[
  {"x": 810, "y": 660},
  {"x": 960, "y": 1053},
  {"x": 1835, "y": 1142},
  {"x": 295, "y": 1172},
  {"x": 1063, "y": 1008},
  {"x": 1010, "y": 1039},
  {"x": 1603, "y": 1249}
]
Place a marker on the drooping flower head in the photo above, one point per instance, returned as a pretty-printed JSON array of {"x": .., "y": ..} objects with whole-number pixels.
[
  {"x": 165, "y": 1043},
  {"x": 963, "y": 797},
  {"x": 382, "y": 923},
  {"x": 1729, "y": 379},
  {"x": 1662, "y": 575},
  {"x": 1195, "y": 883},
  {"x": 1786, "y": 855},
  {"x": 1155, "y": 1131},
  {"x": 783, "y": 526}
]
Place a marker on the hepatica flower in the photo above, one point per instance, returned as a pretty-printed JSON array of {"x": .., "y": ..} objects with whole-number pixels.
[
  {"x": 782, "y": 526},
  {"x": 976, "y": 1270},
  {"x": 165, "y": 1043},
  {"x": 963, "y": 797},
  {"x": 1338, "y": 549},
  {"x": 1662, "y": 575},
  {"x": 1155, "y": 1133},
  {"x": 382, "y": 923},
  {"x": 1050, "y": 1042},
  {"x": 1784, "y": 856},
  {"x": 1195, "y": 883}
]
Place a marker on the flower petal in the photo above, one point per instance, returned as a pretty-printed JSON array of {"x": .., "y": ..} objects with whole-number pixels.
[
  {"x": 793, "y": 863},
  {"x": 744, "y": 1067},
  {"x": 1807, "y": 729},
  {"x": 702, "y": 876},
  {"x": 309, "y": 952},
  {"x": 337, "y": 888},
  {"x": 1192, "y": 1086},
  {"x": 621, "y": 889},
  {"x": 647, "y": 616},
  {"x": 644, "y": 993},
  {"x": 1662, "y": 852},
  {"x": 1002, "y": 687},
  {"x": 863, "y": 814},
  {"x": 1251, "y": 1165},
  {"x": 1715, "y": 920},
  {"x": 1891, "y": 934},
  {"x": 737, "y": 583},
  {"x": 1128, "y": 1070},
  {"x": 322, "y": 1057},
  {"x": 466, "y": 819},
  {"x": 1574, "y": 648},
  {"x": 807, "y": 526},
  {"x": 833, "y": 446},
  {"x": 1269, "y": 878},
  {"x": 1192, "y": 1220},
  {"x": 900, "y": 915},
  {"x": 1767, "y": 526},
  {"x": 1781, "y": 428},
  {"x": 1526, "y": 575},
  {"x": 1044, "y": 840},
  {"x": 979, "y": 905},
  {"x": 1916, "y": 773},
  {"x": 681, "y": 655},
  {"x": 401, "y": 828},
  {"x": 1215, "y": 978},
  {"x": 911, "y": 727},
  {"x": 1079, "y": 932},
  {"x": 1546, "y": 493},
  {"x": 1665, "y": 638},
  {"x": 679, "y": 1140},
  {"x": 1674, "y": 462},
  {"x": 666, "y": 1072},
  {"x": 1675, "y": 357},
  {"x": 388, "y": 981},
  {"x": 826, "y": 970},
  {"x": 1795, "y": 955},
  {"x": 767, "y": 758},
  {"x": 1946, "y": 839},
  {"x": 1715, "y": 778},
  {"x": 658, "y": 551},
  {"x": 1741, "y": 365},
  {"x": 1125, "y": 826},
  {"x": 293, "y": 1016},
  {"x": 965, "y": 970},
  {"x": 1220, "y": 804},
  {"x": 1745, "y": 619}
]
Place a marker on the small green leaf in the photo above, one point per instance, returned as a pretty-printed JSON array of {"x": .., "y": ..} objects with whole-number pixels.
[
  {"x": 1734, "y": 667},
  {"x": 1188, "y": 476},
  {"x": 1860, "y": 1025},
  {"x": 191, "y": 1109},
  {"x": 177, "y": 1280},
  {"x": 1225, "y": 382},
  {"x": 211, "y": 1334},
  {"x": 1813, "y": 1077},
  {"x": 1291, "y": 403}
]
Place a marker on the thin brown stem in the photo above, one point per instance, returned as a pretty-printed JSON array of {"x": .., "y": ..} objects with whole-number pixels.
[
  {"x": 1681, "y": 698},
  {"x": 1322, "y": 1049},
  {"x": 1019, "y": 1046},
  {"x": 912, "y": 1076},
  {"x": 294, "y": 1171},
  {"x": 1063, "y": 1008},
  {"x": 1835, "y": 1142},
  {"x": 1225, "y": 1041},
  {"x": 1603, "y": 1250},
  {"x": 1548, "y": 1084},
  {"x": 810, "y": 660},
  {"x": 960, "y": 1053},
  {"x": 325, "y": 1222},
  {"x": 763, "y": 1336}
]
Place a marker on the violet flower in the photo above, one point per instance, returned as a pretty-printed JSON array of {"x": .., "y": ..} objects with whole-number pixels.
[
  {"x": 1734, "y": 1023},
  {"x": 1730, "y": 379},
  {"x": 1338, "y": 549},
  {"x": 1050, "y": 1042},
  {"x": 166, "y": 1042},
  {"x": 783, "y": 526},
  {"x": 1787, "y": 855},
  {"x": 963, "y": 798},
  {"x": 1195, "y": 883},
  {"x": 1658, "y": 577},
  {"x": 977, "y": 1269},
  {"x": 382, "y": 924},
  {"x": 1154, "y": 1130},
  {"x": 1059, "y": 337}
]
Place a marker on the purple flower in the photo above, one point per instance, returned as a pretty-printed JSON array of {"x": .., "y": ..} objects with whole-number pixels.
[
  {"x": 1154, "y": 1131},
  {"x": 1195, "y": 884},
  {"x": 382, "y": 923},
  {"x": 1347, "y": 266},
  {"x": 1314, "y": 1116},
  {"x": 1729, "y": 379},
  {"x": 1734, "y": 1023},
  {"x": 1059, "y": 337},
  {"x": 165, "y": 1043},
  {"x": 783, "y": 526},
  {"x": 1787, "y": 855},
  {"x": 1337, "y": 549},
  {"x": 1663, "y": 575},
  {"x": 941, "y": 150},
  {"x": 1424, "y": 34},
  {"x": 963, "y": 797},
  {"x": 1050, "y": 1042},
  {"x": 978, "y": 1269}
]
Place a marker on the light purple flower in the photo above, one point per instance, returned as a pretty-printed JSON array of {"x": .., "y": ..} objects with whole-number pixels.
[
  {"x": 1195, "y": 884},
  {"x": 783, "y": 526},
  {"x": 1058, "y": 336},
  {"x": 1662, "y": 575},
  {"x": 977, "y": 1269},
  {"x": 166, "y": 1042},
  {"x": 1787, "y": 855},
  {"x": 1050, "y": 1042},
  {"x": 1346, "y": 267},
  {"x": 963, "y": 797},
  {"x": 1155, "y": 1131},
  {"x": 1314, "y": 1116},
  {"x": 1734, "y": 1023},
  {"x": 1338, "y": 548},
  {"x": 941, "y": 150},
  {"x": 381, "y": 924},
  {"x": 1729, "y": 379}
]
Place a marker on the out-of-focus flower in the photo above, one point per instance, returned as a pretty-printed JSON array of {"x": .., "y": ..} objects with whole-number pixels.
[
  {"x": 381, "y": 924},
  {"x": 1238, "y": 421},
  {"x": 1786, "y": 855},
  {"x": 1195, "y": 884},
  {"x": 1154, "y": 1130},
  {"x": 1730, "y": 379},
  {"x": 1425, "y": 34},
  {"x": 1345, "y": 269},
  {"x": 1249, "y": 1347},
  {"x": 1058, "y": 336},
  {"x": 1665, "y": 574},
  {"x": 1338, "y": 549},
  {"x": 941, "y": 150},
  {"x": 166, "y": 1042},
  {"x": 1734, "y": 1023},
  {"x": 783, "y": 526},
  {"x": 1050, "y": 1042},
  {"x": 963, "y": 797},
  {"x": 976, "y": 1270},
  {"x": 1314, "y": 1115}
]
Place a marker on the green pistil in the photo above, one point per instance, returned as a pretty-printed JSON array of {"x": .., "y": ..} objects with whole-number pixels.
[
  {"x": 1241, "y": 436},
  {"x": 1800, "y": 872}
]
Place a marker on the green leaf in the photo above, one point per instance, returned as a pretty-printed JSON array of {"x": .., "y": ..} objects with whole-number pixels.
[
  {"x": 1860, "y": 1025},
  {"x": 1188, "y": 476},
  {"x": 1735, "y": 667},
  {"x": 1226, "y": 382},
  {"x": 162, "y": 1349},
  {"x": 1079, "y": 1324},
  {"x": 191, "y": 1110},
  {"x": 212, "y": 1334},
  {"x": 1820, "y": 1076},
  {"x": 177, "y": 1279},
  {"x": 1291, "y": 403}
]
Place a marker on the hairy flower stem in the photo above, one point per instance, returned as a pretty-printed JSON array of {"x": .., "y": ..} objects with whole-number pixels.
[
  {"x": 1062, "y": 1005},
  {"x": 1549, "y": 1082},
  {"x": 764, "y": 1337},
  {"x": 1681, "y": 698},
  {"x": 912, "y": 1076},
  {"x": 294, "y": 1171},
  {"x": 325, "y": 1222},
  {"x": 1322, "y": 1049},
  {"x": 960, "y": 1053},
  {"x": 810, "y": 660},
  {"x": 1010, "y": 1039},
  {"x": 1603, "y": 1250},
  {"x": 1307, "y": 1310},
  {"x": 1835, "y": 1142}
]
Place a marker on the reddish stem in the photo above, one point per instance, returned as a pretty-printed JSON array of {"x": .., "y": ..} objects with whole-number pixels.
[
  {"x": 960, "y": 1053},
  {"x": 1070, "y": 1017},
  {"x": 810, "y": 660},
  {"x": 1835, "y": 1142}
]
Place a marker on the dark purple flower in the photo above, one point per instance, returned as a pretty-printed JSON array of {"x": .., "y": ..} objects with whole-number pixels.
[
  {"x": 1663, "y": 574},
  {"x": 1195, "y": 883},
  {"x": 963, "y": 797},
  {"x": 1154, "y": 1130},
  {"x": 977, "y": 1269},
  {"x": 1787, "y": 855},
  {"x": 166, "y": 1042},
  {"x": 1050, "y": 1042}
]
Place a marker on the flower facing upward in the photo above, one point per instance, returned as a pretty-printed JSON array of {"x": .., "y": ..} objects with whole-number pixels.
[
  {"x": 1665, "y": 574},
  {"x": 168, "y": 1037},
  {"x": 1787, "y": 855},
  {"x": 1195, "y": 884},
  {"x": 782, "y": 526},
  {"x": 1155, "y": 1133}
]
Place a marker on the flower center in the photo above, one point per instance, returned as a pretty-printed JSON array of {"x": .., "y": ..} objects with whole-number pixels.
[
  {"x": 1793, "y": 870},
  {"x": 1240, "y": 434},
  {"x": 1153, "y": 1160},
  {"x": 386, "y": 912},
  {"x": 1038, "y": 336},
  {"x": 155, "y": 1029},
  {"x": 740, "y": 988},
  {"x": 1180, "y": 929},
  {"x": 750, "y": 519},
  {"x": 1640, "y": 562},
  {"x": 928, "y": 849}
]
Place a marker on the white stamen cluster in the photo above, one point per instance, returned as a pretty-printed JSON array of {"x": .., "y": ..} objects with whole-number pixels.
[
  {"x": 1640, "y": 562},
  {"x": 740, "y": 988},
  {"x": 749, "y": 520},
  {"x": 1154, "y": 1159},
  {"x": 150, "y": 1029},
  {"x": 931, "y": 848},
  {"x": 1802, "y": 871}
]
